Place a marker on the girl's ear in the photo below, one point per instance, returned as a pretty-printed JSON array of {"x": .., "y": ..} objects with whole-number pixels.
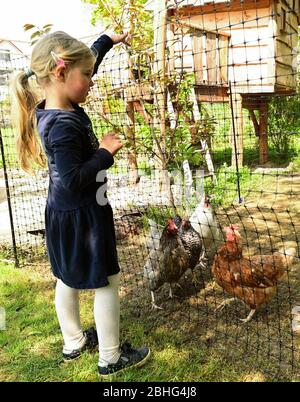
[{"x": 60, "y": 73}]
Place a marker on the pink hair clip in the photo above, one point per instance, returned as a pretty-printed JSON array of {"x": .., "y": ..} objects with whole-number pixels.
[{"x": 58, "y": 60}]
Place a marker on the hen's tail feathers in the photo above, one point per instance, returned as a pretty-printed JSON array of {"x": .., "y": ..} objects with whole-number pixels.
[{"x": 154, "y": 236}]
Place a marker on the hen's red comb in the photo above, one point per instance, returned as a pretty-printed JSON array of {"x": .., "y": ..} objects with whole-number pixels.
[{"x": 231, "y": 228}]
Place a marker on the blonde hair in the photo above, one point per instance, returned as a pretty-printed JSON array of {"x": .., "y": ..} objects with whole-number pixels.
[{"x": 25, "y": 97}]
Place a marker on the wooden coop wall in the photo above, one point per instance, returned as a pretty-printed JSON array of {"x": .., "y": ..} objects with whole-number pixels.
[
  {"x": 286, "y": 20},
  {"x": 204, "y": 53},
  {"x": 261, "y": 57}
]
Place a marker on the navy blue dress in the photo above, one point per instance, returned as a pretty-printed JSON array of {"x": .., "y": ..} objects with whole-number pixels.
[{"x": 79, "y": 232}]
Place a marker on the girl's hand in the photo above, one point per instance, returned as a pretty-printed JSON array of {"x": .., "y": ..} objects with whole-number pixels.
[
  {"x": 122, "y": 38},
  {"x": 111, "y": 143}
]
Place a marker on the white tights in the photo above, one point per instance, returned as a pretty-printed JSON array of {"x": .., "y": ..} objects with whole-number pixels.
[{"x": 106, "y": 314}]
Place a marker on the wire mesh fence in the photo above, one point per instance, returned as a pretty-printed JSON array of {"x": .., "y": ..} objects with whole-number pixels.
[{"x": 206, "y": 190}]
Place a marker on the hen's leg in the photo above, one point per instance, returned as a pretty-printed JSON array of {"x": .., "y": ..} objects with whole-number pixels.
[
  {"x": 171, "y": 295},
  {"x": 153, "y": 305},
  {"x": 203, "y": 260},
  {"x": 201, "y": 264},
  {"x": 248, "y": 318},
  {"x": 224, "y": 303}
]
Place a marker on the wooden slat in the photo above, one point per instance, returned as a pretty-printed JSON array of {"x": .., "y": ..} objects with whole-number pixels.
[
  {"x": 198, "y": 57},
  {"x": 258, "y": 36},
  {"x": 223, "y": 59},
  {"x": 244, "y": 27},
  {"x": 290, "y": 43},
  {"x": 219, "y": 7},
  {"x": 278, "y": 89},
  {"x": 254, "y": 89},
  {"x": 257, "y": 64},
  {"x": 253, "y": 74},
  {"x": 197, "y": 27},
  {"x": 211, "y": 58},
  {"x": 285, "y": 76},
  {"x": 209, "y": 93},
  {"x": 160, "y": 39},
  {"x": 271, "y": 48},
  {"x": 294, "y": 22},
  {"x": 263, "y": 133},
  {"x": 285, "y": 59},
  {"x": 249, "y": 55},
  {"x": 138, "y": 91},
  {"x": 171, "y": 46},
  {"x": 247, "y": 46},
  {"x": 221, "y": 23}
]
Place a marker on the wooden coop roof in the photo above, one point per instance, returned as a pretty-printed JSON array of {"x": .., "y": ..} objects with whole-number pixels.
[{"x": 196, "y": 7}]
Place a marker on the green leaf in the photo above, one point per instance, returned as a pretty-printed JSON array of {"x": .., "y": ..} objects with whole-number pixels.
[
  {"x": 36, "y": 34},
  {"x": 27, "y": 27}
]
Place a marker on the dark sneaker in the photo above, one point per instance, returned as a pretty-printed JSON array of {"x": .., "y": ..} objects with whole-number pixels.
[
  {"x": 90, "y": 344},
  {"x": 129, "y": 358}
]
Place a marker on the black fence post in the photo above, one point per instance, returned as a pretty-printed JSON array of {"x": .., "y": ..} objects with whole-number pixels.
[{"x": 9, "y": 203}]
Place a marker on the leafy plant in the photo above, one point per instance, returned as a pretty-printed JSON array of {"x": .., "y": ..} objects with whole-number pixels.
[
  {"x": 114, "y": 15},
  {"x": 283, "y": 123},
  {"x": 225, "y": 192},
  {"x": 37, "y": 32}
]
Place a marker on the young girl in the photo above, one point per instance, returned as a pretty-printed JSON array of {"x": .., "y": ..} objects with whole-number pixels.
[{"x": 79, "y": 232}]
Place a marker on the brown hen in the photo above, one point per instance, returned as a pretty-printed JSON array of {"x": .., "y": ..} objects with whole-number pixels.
[
  {"x": 167, "y": 261},
  {"x": 251, "y": 279}
]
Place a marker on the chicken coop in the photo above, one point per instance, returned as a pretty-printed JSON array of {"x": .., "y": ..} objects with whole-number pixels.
[
  {"x": 205, "y": 191},
  {"x": 248, "y": 47}
]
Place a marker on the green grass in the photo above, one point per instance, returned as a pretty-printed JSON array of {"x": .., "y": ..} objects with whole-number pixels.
[{"x": 31, "y": 344}]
